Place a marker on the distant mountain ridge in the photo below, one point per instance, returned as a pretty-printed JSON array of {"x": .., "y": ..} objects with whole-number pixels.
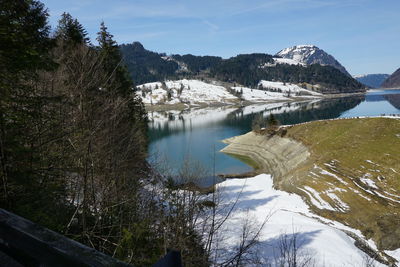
[
  {"x": 372, "y": 80},
  {"x": 246, "y": 69},
  {"x": 310, "y": 54},
  {"x": 393, "y": 81},
  {"x": 249, "y": 69},
  {"x": 144, "y": 65}
]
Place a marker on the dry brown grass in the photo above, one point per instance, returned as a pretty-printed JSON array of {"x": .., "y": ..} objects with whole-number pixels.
[{"x": 352, "y": 150}]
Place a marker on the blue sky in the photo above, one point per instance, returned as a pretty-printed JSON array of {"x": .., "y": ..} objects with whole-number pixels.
[{"x": 364, "y": 35}]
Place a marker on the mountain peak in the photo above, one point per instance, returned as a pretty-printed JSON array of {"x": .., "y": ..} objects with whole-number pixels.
[
  {"x": 311, "y": 54},
  {"x": 305, "y": 46},
  {"x": 137, "y": 46}
]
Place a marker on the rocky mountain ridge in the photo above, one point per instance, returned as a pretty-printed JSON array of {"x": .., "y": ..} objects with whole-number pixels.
[
  {"x": 246, "y": 69},
  {"x": 311, "y": 54},
  {"x": 393, "y": 81},
  {"x": 372, "y": 80}
]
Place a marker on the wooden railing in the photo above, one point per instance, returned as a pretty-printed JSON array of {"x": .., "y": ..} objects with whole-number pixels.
[{"x": 24, "y": 243}]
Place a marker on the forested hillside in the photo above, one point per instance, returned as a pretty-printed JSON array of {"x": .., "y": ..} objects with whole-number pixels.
[
  {"x": 196, "y": 64},
  {"x": 250, "y": 69},
  {"x": 247, "y": 69},
  {"x": 146, "y": 66}
]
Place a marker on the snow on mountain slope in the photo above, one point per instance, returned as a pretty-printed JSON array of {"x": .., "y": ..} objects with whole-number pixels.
[
  {"x": 194, "y": 92},
  {"x": 279, "y": 60},
  {"x": 287, "y": 88},
  {"x": 287, "y": 61},
  {"x": 318, "y": 239},
  {"x": 184, "y": 91},
  {"x": 310, "y": 54},
  {"x": 300, "y": 53},
  {"x": 256, "y": 95},
  {"x": 182, "y": 67}
]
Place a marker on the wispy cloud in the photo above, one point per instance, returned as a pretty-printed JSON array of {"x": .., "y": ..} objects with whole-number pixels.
[
  {"x": 123, "y": 9},
  {"x": 212, "y": 26},
  {"x": 274, "y": 6}
]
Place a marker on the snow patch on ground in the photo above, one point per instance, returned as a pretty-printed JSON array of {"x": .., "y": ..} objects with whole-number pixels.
[
  {"x": 256, "y": 95},
  {"x": 325, "y": 172},
  {"x": 194, "y": 92},
  {"x": 386, "y": 197},
  {"x": 183, "y": 91},
  {"x": 367, "y": 181},
  {"x": 342, "y": 206},
  {"x": 287, "y": 214},
  {"x": 287, "y": 88},
  {"x": 394, "y": 253},
  {"x": 316, "y": 199}
]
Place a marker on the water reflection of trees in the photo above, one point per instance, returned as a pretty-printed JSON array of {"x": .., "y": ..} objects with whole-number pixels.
[
  {"x": 394, "y": 100},
  {"x": 326, "y": 109},
  {"x": 292, "y": 113},
  {"x": 287, "y": 113}
]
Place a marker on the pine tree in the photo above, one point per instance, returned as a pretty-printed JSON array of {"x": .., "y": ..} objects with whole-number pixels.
[
  {"x": 113, "y": 63},
  {"x": 121, "y": 85},
  {"x": 181, "y": 89},
  {"x": 70, "y": 30},
  {"x": 29, "y": 182},
  {"x": 24, "y": 38},
  {"x": 164, "y": 86}
]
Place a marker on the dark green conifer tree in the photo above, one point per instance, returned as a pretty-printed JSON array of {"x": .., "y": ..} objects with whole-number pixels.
[
  {"x": 70, "y": 30},
  {"x": 28, "y": 181},
  {"x": 121, "y": 83}
]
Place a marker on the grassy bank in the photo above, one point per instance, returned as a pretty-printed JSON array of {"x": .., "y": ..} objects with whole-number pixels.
[
  {"x": 352, "y": 174},
  {"x": 355, "y": 168}
]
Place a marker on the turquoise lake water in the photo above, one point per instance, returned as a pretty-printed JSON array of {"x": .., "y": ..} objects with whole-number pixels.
[{"x": 196, "y": 136}]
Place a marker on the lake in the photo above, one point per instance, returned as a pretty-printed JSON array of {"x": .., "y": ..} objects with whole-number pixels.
[{"x": 195, "y": 135}]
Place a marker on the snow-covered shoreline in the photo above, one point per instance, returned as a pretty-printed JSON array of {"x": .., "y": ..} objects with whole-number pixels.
[
  {"x": 249, "y": 145},
  {"x": 195, "y": 93},
  {"x": 322, "y": 240}
]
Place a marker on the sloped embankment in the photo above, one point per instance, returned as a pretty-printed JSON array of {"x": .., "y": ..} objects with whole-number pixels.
[
  {"x": 347, "y": 170},
  {"x": 275, "y": 155}
]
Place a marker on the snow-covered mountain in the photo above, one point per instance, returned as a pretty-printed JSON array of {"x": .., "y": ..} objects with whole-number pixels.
[
  {"x": 310, "y": 54},
  {"x": 372, "y": 80}
]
